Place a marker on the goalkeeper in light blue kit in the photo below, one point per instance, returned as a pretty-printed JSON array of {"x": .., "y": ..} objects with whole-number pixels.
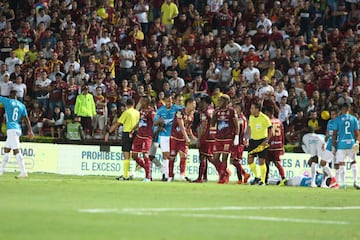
[
  {"x": 345, "y": 143},
  {"x": 15, "y": 111}
]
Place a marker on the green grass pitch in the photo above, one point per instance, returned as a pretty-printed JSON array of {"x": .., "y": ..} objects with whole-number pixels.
[{"x": 48, "y": 206}]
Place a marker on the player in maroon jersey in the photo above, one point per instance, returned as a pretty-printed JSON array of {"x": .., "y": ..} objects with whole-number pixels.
[
  {"x": 143, "y": 139},
  {"x": 206, "y": 136},
  {"x": 237, "y": 151},
  {"x": 227, "y": 135},
  {"x": 181, "y": 135},
  {"x": 276, "y": 142}
]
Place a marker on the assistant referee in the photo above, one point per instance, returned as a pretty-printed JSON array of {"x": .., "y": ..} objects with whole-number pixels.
[
  {"x": 129, "y": 119},
  {"x": 259, "y": 131}
]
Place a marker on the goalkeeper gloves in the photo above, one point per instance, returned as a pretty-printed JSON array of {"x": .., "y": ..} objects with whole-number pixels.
[
  {"x": 355, "y": 147},
  {"x": 236, "y": 140}
]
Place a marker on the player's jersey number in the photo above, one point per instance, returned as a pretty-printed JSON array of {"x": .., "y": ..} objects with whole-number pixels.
[
  {"x": 276, "y": 130},
  {"x": 347, "y": 126},
  {"x": 15, "y": 114}
]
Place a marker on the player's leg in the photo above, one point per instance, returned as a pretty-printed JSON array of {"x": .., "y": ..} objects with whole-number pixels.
[
  {"x": 225, "y": 173},
  {"x": 313, "y": 162},
  {"x": 147, "y": 166},
  {"x": 217, "y": 164},
  {"x": 262, "y": 170},
  {"x": 14, "y": 143},
  {"x": 340, "y": 167},
  {"x": 202, "y": 165},
  {"x": 5, "y": 160},
  {"x": 165, "y": 149},
  {"x": 183, "y": 159},
  {"x": 236, "y": 163},
  {"x": 251, "y": 162},
  {"x": 126, "y": 149},
  {"x": 278, "y": 165},
  {"x": 354, "y": 169}
]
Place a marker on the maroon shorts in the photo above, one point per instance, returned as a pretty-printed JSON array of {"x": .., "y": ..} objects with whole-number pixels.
[
  {"x": 274, "y": 156},
  {"x": 223, "y": 146},
  {"x": 141, "y": 144},
  {"x": 237, "y": 152},
  {"x": 177, "y": 146},
  {"x": 206, "y": 148}
]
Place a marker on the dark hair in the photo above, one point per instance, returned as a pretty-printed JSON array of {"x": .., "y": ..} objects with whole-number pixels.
[
  {"x": 257, "y": 105},
  {"x": 189, "y": 100},
  {"x": 270, "y": 110},
  {"x": 207, "y": 100},
  {"x": 129, "y": 102},
  {"x": 345, "y": 106},
  {"x": 167, "y": 96}
]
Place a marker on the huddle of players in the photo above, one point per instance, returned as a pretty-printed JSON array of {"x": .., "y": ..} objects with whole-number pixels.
[
  {"x": 341, "y": 142},
  {"x": 222, "y": 132}
]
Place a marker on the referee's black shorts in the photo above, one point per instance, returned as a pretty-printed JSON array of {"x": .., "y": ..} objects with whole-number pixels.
[
  {"x": 254, "y": 144},
  {"x": 127, "y": 141}
]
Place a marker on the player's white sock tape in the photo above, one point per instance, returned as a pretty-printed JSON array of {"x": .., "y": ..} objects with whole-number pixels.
[
  {"x": 354, "y": 169},
  {"x": 4, "y": 161},
  {"x": 20, "y": 161}
]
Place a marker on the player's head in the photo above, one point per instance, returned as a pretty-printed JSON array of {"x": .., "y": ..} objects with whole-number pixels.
[
  {"x": 13, "y": 94},
  {"x": 255, "y": 109},
  {"x": 190, "y": 104},
  {"x": 238, "y": 107},
  {"x": 333, "y": 113},
  {"x": 206, "y": 101},
  {"x": 224, "y": 101},
  {"x": 168, "y": 100},
  {"x": 129, "y": 103},
  {"x": 269, "y": 111},
  {"x": 145, "y": 101},
  {"x": 345, "y": 107}
]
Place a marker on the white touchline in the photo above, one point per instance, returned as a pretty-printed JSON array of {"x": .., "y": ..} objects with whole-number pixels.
[
  {"x": 229, "y": 208},
  {"x": 262, "y": 218}
]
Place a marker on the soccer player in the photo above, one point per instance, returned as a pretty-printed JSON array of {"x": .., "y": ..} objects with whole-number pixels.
[
  {"x": 259, "y": 132},
  {"x": 181, "y": 135},
  {"x": 227, "y": 135},
  {"x": 164, "y": 118},
  {"x": 143, "y": 138},
  {"x": 206, "y": 136},
  {"x": 313, "y": 144},
  {"x": 129, "y": 119},
  {"x": 326, "y": 156},
  {"x": 346, "y": 142},
  {"x": 276, "y": 142},
  {"x": 15, "y": 111},
  {"x": 236, "y": 155}
]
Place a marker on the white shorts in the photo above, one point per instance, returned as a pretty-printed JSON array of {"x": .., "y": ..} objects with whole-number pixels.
[
  {"x": 164, "y": 143},
  {"x": 327, "y": 156},
  {"x": 13, "y": 139},
  {"x": 341, "y": 155}
]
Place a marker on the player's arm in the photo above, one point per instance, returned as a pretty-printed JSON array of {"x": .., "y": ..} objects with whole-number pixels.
[
  {"x": 28, "y": 124},
  {"x": 237, "y": 130},
  {"x": 202, "y": 127},
  {"x": 213, "y": 120},
  {"x": 180, "y": 122}
]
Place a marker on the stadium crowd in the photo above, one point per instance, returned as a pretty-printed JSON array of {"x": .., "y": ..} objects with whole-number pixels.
[
  {"x": 87, "y": 61},
  {"x": 301, "y": 57}
]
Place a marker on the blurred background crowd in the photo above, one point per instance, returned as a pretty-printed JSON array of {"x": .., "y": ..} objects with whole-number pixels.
[{"x": 302, "y": 57}]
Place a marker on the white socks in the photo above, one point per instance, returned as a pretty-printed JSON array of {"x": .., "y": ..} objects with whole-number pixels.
[
  {"x": 20, "y": 161},
  {"x": 341, "y": 175},
  {"x": 327, "y": 170},
  {"x": 166, "y": 168},
  {"x": 354, "y": 170},
  {"x": 313, "y": 172},
  {"x": 4, "y": 161}
]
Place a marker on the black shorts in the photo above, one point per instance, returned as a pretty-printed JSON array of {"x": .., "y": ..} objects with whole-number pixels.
[
  {"x": 254, "y": 144},
  {"x": 127, "y": 142}
]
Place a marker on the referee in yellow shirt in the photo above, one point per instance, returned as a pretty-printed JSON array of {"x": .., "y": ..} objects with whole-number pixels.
[
  {"x": 259, "y": 132},
  {"x": 129, "y": 119}
]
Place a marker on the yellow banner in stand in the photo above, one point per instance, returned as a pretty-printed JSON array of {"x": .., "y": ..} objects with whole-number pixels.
[{"x": 89, "y": 160}]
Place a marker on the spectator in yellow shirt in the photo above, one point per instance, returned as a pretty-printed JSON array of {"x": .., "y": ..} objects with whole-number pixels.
[{"x": 169, "y": 11}]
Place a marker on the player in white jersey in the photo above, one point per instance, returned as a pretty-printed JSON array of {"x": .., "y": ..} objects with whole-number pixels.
[
  {"x": 15, "y": 112},
  {"x": 314, "y": 144},
  {"x": 345, "y": 142}
]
